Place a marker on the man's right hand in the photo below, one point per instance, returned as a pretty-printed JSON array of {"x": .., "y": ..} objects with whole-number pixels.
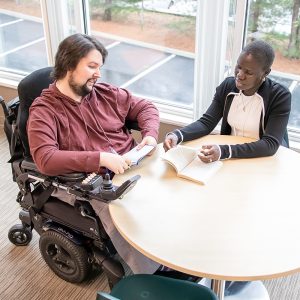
[
  {"x": 114, "y": 162},
  {"x": 171, "y": 141}
]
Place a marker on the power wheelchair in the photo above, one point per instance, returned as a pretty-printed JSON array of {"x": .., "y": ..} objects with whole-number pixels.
[{"x": 72, "y": 238}]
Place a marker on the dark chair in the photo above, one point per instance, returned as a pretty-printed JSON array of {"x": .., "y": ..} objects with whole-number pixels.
[
  {"x": 72, "y": 239},
  {"x": 152, "y": 287},
  {"x": 30, "y": 88}
]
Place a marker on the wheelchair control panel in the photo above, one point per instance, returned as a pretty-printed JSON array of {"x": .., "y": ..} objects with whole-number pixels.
[
  {"x": 94, "y": 186},
  {"x": 91, "y": 182}
]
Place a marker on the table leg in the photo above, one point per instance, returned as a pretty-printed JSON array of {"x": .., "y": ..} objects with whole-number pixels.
[
  {"x": 237, "y": 290},
  {"x": 218, "y": 286}
]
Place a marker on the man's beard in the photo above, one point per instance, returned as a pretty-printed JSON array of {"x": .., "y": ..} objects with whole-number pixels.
[{"x": 80, "y": 90}]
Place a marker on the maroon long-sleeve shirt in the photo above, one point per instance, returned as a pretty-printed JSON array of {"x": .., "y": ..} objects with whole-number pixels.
[{"x": 66, "y": 136}]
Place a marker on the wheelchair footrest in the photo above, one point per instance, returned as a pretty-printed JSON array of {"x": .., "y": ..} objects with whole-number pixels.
[{"x": 112, "y": 268}]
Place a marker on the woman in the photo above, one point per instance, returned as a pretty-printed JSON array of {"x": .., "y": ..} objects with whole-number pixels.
[{"x": 251, "y": 105}]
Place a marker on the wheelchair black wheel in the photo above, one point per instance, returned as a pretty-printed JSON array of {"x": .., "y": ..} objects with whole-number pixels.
[
  {"x": 66, "y": 259},
  {"x": 20, "y": 235}
]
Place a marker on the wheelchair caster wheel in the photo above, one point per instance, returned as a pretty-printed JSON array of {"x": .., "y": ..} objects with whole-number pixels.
[
  {"x": 20, "y": 235},
  {"x": 66, "y": 259}
]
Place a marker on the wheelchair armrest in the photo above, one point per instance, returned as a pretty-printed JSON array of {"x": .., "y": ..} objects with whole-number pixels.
[
  {"x": 72, "y": 177},
  {"x": 76, "y": 185},
  {"x": 28, "y": 164}
]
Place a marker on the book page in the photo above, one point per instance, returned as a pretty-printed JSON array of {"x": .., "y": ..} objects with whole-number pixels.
[
  {"x": 136, "y": 155},
  {"x": 180, "y": 156},
  {"x": 199, "y": 171}
]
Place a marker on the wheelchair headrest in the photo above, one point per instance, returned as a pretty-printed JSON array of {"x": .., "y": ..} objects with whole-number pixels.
[{"x": 29, "y": 89}]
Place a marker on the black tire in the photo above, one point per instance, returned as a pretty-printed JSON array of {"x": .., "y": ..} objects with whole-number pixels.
[
  {"x": 66, "y": 259},
  {"x": 20, "y": 235}
]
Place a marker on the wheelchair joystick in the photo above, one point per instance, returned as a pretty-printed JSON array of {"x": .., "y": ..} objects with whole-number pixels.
[
  {"x": 107, "y": 183},
  {"x": 109, "y": 192}
]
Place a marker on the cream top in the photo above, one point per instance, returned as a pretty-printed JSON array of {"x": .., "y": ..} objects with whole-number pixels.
[{"x": 244, "y": 115}]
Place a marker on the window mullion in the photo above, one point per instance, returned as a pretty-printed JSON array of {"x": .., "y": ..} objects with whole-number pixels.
[
  {"x": 240, "y": 26},
  {"x": 85, "y": 16},
  {"x": 211, "y": 37},
  {"x": 58, "y": 23}
]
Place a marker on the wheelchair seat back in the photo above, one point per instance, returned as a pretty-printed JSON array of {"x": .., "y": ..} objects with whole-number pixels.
[{"x": 29, "y": 88}]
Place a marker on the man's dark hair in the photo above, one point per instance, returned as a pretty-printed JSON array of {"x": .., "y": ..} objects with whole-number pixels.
[
  {"x": 71, "y": 50},
  {"x": 262, "y": 52}
]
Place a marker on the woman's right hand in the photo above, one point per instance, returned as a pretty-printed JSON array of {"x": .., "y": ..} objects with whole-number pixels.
[
  {"x": 209, "y": 153},
  {"x": 114, "y": 162},
  {"x": 171, "y": 141}
]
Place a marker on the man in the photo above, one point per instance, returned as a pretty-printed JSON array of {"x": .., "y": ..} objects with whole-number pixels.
[{"x": 78, "y": 125}]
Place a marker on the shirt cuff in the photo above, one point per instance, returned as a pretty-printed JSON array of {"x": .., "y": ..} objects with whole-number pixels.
[
  {"x": 220, "y": 152},
  {"x": 179, "y": 135},
  {"x": 226, "y": 152}
]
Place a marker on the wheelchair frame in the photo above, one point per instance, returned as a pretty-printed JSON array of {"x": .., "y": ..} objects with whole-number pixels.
[{"x": 69, "y": 249}]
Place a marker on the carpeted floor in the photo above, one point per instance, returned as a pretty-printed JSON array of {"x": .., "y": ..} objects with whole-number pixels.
[{"x": 25, "y": 276}]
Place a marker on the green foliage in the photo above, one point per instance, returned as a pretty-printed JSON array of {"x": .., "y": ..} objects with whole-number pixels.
[
  {"x": 265, "y": 15},
  {"x": 292, "y": 52},
  {"x": 269, "y": 12},
  {"x": 183, "y": 25},
  {"x": 114, "y": 9},
  {"x": 122, "y": 11},
  {"x": 277, "y": 40},
  {"x": 96, "y": 4}
]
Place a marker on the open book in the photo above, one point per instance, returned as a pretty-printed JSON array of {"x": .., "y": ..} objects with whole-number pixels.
[
  {"x": 187, "y": 164},
  {"x": 137, "y": 155}
]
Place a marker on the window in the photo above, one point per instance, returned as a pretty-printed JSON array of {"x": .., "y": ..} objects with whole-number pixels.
[
  {"x": 156, "y": 49},
  {"x": 151, "y": 47},
  {"x": 22, "y": 41},
  {"x": 278, "y": 23},
  {"x": 174, "y": 52}
]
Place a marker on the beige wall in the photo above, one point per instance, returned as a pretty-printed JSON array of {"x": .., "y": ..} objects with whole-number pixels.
[
  {"x": 163, "y": 130},
  {"x": 8, "y": 94}
]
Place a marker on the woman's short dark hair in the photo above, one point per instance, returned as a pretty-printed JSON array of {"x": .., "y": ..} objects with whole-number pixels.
[
  {"x": 262, "y": 52},
  {"x": 71, "y": 50}
]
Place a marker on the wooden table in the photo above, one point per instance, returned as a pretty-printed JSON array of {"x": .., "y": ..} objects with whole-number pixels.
[{"x": 242, "y": 226}]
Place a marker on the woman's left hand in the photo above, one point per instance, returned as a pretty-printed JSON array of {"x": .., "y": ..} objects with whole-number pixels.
[{"x": 209, "y": 153}]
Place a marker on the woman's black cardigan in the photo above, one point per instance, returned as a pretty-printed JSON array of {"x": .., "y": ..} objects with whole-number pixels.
[{"x": 272, "y": 129}]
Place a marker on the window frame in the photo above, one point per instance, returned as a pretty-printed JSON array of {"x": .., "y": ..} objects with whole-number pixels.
[{"x": 211, "y": 37}]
